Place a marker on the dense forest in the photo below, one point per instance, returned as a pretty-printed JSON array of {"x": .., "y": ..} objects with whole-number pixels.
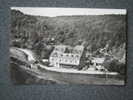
[{"x": 95, "y": 32}]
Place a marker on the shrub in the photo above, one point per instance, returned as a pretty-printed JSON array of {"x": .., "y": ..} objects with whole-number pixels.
[{"x": 115, "y": 66}]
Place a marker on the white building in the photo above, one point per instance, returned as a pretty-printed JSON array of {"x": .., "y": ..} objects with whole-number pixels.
[
  {"x": 98, "y": 63},
  {"x": 66, "y": 56}
]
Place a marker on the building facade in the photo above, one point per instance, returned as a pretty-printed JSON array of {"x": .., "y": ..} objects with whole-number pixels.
[{"x": 66, "y": 56}]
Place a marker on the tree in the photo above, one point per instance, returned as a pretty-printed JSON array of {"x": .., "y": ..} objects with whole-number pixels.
[{"x": 115, "y": 66}]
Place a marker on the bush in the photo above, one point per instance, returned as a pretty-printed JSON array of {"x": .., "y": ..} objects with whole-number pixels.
[{"x": 115, "y": 66}]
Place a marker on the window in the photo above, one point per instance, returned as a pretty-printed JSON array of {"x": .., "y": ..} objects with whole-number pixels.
[
  {"x": 77, "y": 56},
  {"x": 76, "y": 61},
  {"x": 56, "y": 48}
]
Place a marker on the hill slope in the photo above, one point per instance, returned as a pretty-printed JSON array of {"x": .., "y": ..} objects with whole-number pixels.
[{"x": 95, "y": 32}]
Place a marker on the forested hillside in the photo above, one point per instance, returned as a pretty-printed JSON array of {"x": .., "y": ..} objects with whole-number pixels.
[{"x": 94, "y": 32}]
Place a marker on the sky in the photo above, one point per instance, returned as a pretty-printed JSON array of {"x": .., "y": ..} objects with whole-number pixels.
[{"x": 52, "y": 12}]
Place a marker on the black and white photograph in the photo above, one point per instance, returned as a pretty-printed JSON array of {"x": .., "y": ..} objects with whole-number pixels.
[{"x": 51, "y": 45}]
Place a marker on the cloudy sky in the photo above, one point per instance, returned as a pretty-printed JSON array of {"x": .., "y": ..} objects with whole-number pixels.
[{"x": 52, "y": 12}]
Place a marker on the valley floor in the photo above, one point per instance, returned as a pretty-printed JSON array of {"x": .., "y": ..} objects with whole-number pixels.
[{"x": 64, "y": 76}]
